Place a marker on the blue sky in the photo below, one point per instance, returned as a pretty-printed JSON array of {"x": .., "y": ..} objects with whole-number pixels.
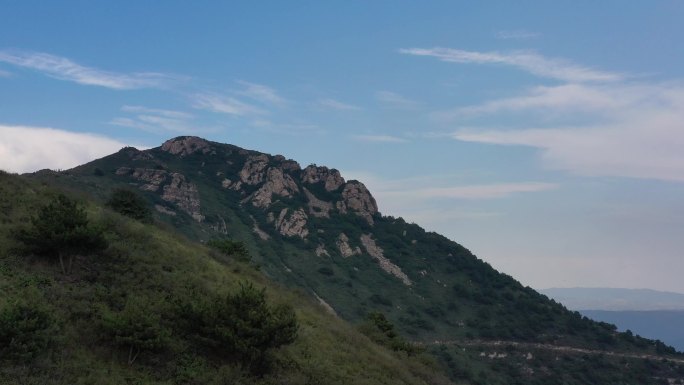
[{"x": 547, "y": 137}]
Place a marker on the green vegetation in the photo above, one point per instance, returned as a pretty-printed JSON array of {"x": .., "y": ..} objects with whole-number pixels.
[
  {"x": 231, "y": 248},
  {"x": 61, "y": 230},
  {"x": 129, "y": 203},
  {"x": 153, "y": 308}
]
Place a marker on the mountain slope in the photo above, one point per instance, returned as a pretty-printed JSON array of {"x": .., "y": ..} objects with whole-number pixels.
[
  {"x": 143, "y": 264},
  {"x": 311, "y": 229}
]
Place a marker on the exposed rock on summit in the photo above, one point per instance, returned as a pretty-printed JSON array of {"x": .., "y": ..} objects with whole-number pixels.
[
  {"x": 186, "y": 145},
  {"x": 331, "y": 179},
  {"x": 253, "y": 171},
  {"x": 357, "y": 198}
]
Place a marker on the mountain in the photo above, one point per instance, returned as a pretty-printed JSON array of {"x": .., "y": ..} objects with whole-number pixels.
[
  {"x": 648, "y": 313},
  {"x": 582, "y": 298},
  {"x": 664, "y": 325},
  {"x": 137, "y": 312},
  {"x": 311, "y": 230}
]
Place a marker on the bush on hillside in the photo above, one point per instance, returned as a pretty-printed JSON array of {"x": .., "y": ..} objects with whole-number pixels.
[
  {"x": 25, "y": 331},
  {"x": 130, "y": 204},
  {"x": 61, "y": 230},
  {"x": 137, "y": 328},
  {"x": 231, "y": 248},
  {"x": 244, "y": 328}
]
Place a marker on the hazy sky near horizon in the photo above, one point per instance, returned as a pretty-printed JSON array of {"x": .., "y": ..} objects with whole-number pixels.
[{"x": 546, "y": 137}]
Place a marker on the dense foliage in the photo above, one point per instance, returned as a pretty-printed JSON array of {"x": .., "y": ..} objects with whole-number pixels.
[
  {"x": 62, "y": 230},
  {"x": 129, "y": 203}
]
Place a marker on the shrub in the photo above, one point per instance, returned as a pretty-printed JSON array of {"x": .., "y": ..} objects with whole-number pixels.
[
  {"x": 25, "y": 331},
  {"x": 61, "y": 229},
  {"x": 378, "y": 328},
  {"x": 244, "y": 328},
  {"x": 136, "y": 327},
  {"x": 130, "y": 204},
  {"x": 231, "y": 248}
]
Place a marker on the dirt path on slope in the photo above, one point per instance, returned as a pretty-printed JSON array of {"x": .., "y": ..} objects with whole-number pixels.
[{"x": 557, "y": 348}]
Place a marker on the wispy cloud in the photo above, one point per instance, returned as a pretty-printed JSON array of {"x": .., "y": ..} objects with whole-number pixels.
[
  {"x": 525, "y": 60},
  {"x": 261, "y": 93},
  {"x": 633, "y": 130},
  {"x": 337, "y": 105},
  {"x": 517, "y": 34},
  {"x": 564, "y": 98},
  {"x": 224, "y": 104},
  {"x": 5, "y": 74},
  {"x": 157, "y": 111},
  {"x": 379, "y": 138},
  {"x": 65, "y": 69},
  {"x": 28, "y": 149},
  {"x": 157, "y": 120},
  {"x": 394, "y": 100},
  {"x": 481, "y": 191}
]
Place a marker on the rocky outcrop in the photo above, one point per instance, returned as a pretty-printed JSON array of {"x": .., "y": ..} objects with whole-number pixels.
[
  {"x": 332, "y": 180},
  {"x": 321, "y": 251},
  {"x": 253, "y": 171},
  {"x": 154, "y": 178},
  {"x": 357, "y": 198},
  {"x": 317, "y": 207},
  {"x": 293, "y": 224},
  {"x": 343, "y": 245},
  {"x": 378, "y": 254},
  {"x": 186, "y": 145},
  {"x": 277, "y": 183},
  {"x": 184, "y": 194},
  {"x": 164, "y": 210}
]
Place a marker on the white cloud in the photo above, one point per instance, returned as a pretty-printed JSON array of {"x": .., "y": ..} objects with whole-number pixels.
[
  {"x": 518, "y": 34},
  {"x": 480, "y": 191},
  {"x": 64, "y": 69},
  {"x": 157, "y": 111},
  {"x": 28, "y": 149},
  {"x": 337, "y": 105},
  {"x": 159, "y": 121},
  {"x": 379, "y": 138},
  {"x": 224, "y": 104},
  {"x": 5, "y": 74},
  {"x": 635, "y": 130},
  {"x": 526, "y": 60},
  {"x": 261, "y": 93},
  {"x": 395, "y": 100}
]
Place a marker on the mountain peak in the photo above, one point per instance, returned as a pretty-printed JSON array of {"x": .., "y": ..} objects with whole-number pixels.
[{"x": 186, "y": 145}]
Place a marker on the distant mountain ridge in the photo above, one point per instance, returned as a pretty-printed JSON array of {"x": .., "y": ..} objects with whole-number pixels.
[{"x": 616, "y": 299}]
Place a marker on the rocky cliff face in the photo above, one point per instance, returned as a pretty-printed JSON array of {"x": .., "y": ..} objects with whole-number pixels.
[{"x": 290, "y": 201}]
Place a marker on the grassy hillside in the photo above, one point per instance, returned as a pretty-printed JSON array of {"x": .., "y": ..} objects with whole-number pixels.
[{"x": 62, "y": 317}]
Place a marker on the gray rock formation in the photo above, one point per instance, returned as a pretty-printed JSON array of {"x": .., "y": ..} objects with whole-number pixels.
[
  {"x": 253, "y": 171},
  {"x": 331, "y": 178},
  {"x": 187, "y": 145},
  {"x": 317, "y": 207},
  {"x": 184, "y": 195},
  {"x": 378, "y": 254},
  {"x": 277, "y": 183},
  {"x": 343, "y": 245},
  {"x": 293, "y": 224},
  {"x": 357, "y": 198}
]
